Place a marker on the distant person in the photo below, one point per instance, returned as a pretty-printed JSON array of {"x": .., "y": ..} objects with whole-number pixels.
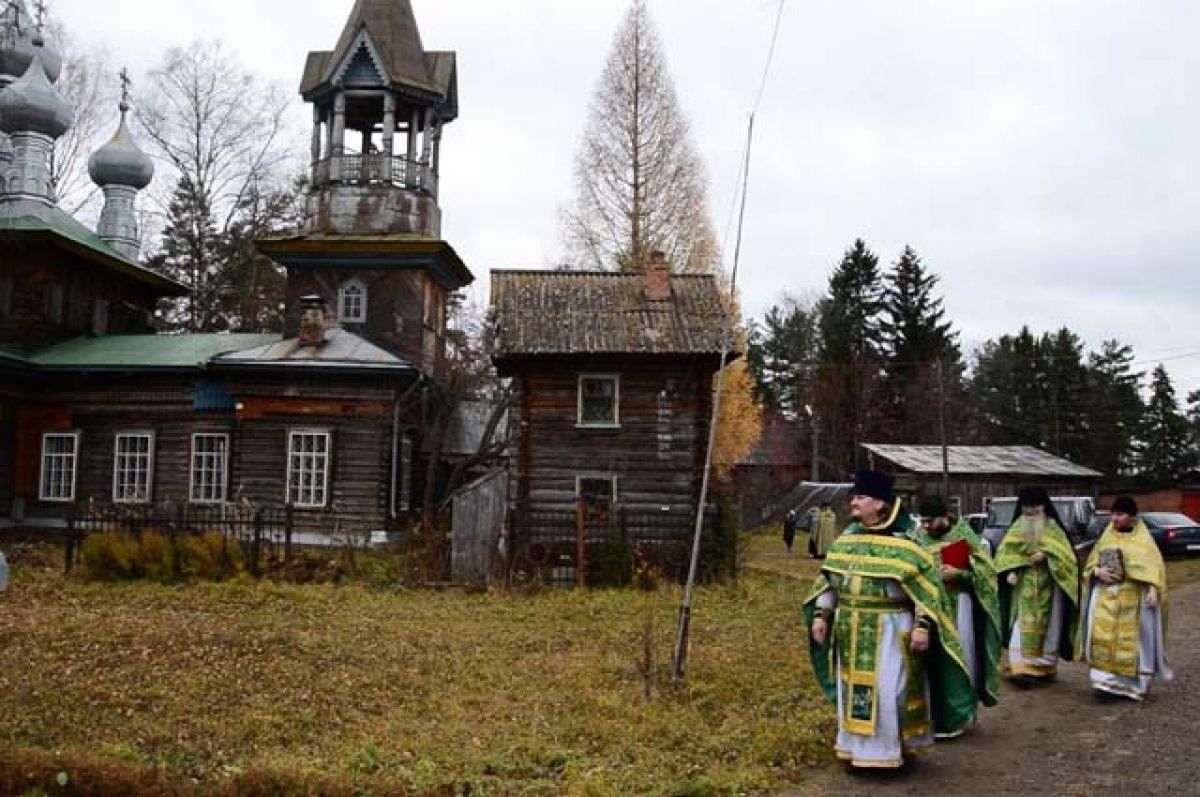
[
  {"x": 824, "y": 531},
  {"x": 1039, "y": 590},
  {"x": 789, "y": 530},
  {"x": 1125, "y": 607},
  {"x": 883, "y": 648},
  {"x": 969, "y": 579}
]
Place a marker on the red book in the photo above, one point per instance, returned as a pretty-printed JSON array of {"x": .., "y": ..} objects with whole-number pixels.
[{"x": 957, "y": 554}]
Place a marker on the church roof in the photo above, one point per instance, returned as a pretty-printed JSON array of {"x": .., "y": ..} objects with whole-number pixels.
[
  {"x": 119, "y": 352},
  {"x": 603, "y": 312},
  {"x": 340, "y": 350},
  {"x": 392, "y": 29},
  {"x": 23, "y": 220}
]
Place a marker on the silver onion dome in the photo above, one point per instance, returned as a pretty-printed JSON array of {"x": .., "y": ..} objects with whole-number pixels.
[
  {"x": 18, "y": 45},
  {"x": 33, "y": 105},
  {"x": 121, "y": 161}
]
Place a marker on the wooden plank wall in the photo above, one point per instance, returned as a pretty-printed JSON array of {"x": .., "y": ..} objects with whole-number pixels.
[
  {"x": 32, "y": 267},
  {"x": 478, "y": 523},
  {"x": 656, "y": 456},
  {"x": 359, "y": 419},
  {"x": 402, "y": 305}
]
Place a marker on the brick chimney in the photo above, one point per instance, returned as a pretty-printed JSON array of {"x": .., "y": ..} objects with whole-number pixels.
[
  {"x": 313, "y": 312},
  {"x": 658, "y": 278}
]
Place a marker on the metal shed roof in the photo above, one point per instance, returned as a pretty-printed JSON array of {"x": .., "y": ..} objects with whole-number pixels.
[{"x": 978, "y": 460}]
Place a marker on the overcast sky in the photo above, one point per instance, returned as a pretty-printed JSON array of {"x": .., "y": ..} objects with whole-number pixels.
[{"x": 1040, "y": 155}]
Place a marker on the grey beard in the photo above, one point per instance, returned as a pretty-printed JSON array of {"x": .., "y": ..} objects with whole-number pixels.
[{"x": 1032, "y": 529}]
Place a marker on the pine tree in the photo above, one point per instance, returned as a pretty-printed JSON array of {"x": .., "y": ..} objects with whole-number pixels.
[
  {"x": 1164, "y": 431},
  {"x": 848, "y": 380},
  {"x": 920, "y": 351}
]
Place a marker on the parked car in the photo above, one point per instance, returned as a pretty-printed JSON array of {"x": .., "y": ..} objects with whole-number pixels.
[
  {"x": 977, "y": 521},
  {"x": 1173, "y": 532},
  {"x": 1076, "y": 512}
]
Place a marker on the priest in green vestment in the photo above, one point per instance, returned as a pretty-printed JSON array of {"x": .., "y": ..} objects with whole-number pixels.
[
  {"x": 1039, "y": 590},
  {"x": 883, "y": 646},
  {"x": 1124, "y": 624},
  {"x": 969, "y": 579}
]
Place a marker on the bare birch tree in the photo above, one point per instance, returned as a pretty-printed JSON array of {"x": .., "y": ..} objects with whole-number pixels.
[
  {"x": 222, "y": 133},
  {"x": 639, "y": 184}
]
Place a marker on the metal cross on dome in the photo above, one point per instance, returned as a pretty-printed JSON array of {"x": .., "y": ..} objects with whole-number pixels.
[
  {"x": 125, "y": 83},
  {"x": 39, "y": 8}
]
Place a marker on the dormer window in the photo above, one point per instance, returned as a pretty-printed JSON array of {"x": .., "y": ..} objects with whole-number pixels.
[{"x": 352, "y": 302}]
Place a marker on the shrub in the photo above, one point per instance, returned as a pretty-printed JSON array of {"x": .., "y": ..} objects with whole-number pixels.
[
  {"x": 611, "y": 563},
  {"x": 110, "y": 556}
]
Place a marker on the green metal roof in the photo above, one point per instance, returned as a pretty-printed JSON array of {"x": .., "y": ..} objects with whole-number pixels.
[
  {"x": 54, "y": 224},
  {"x": 144, "y": 351}
]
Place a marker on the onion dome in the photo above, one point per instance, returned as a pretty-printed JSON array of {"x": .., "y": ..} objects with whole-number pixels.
[
  {"x": 121, "y": 161},
  {"x": 32, "y": 105},
  {"x": 18, "y": 45}
]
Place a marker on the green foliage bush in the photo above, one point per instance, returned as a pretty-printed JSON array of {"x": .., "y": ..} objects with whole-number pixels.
[{"x": 611, "y": 563}]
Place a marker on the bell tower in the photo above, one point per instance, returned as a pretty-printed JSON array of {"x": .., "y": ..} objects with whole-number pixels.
[
  {"x": 371, "y": 245},
  {"x": 380, "y": 103}
]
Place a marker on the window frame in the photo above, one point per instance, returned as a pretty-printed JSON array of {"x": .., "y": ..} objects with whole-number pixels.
[
  {"x": 343, "y": 293},
  {"x": 192, "y": 470},
  {"x": 327, "y": 456},
  {"x": 147, "y": 434},
  {"x": 615, "y": 423},
  {"x": 611, "y": 478},
  {"x": 74, "y": 459}
]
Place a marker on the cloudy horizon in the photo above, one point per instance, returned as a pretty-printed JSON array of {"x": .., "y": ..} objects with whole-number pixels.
[{"x": 1038, "y": 156}]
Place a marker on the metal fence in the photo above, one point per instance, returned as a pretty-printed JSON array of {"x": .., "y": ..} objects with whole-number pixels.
[
  {"x": 264, "y": 534},
  {"x": 565, "y": 547}
]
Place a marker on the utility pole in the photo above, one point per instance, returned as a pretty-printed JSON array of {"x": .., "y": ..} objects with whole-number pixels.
[
  {"x": 942, "y": 431},
  {"x": 816, "y": 434}
]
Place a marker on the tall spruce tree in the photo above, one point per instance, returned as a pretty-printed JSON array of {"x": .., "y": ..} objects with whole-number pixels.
[
  {"x": 1113, "y": 410},
  {"x": 781, "y": 353},
  {"x": 1066, "y": 388},
  {"x": 848, "y": 377},
  {"x": 1164, "y": 431},
  {"x": 923, "y": 363}
]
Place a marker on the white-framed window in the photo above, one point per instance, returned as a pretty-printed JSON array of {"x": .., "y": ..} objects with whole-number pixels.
[
  {"x": 955, "y": 505},
  {"x": 308, "y": 467},
  {"x": 210, "y": 468},
  {"x": 352, "y": 302},
  {"x": 599, "y": 494},
  {"x": 60, "y": 451},
  {"x": 133, "y": 467},
  {"x": 599, "y": 400}
]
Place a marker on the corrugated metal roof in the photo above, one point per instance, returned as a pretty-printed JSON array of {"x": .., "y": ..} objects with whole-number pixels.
[
  {"x": 598, "y": 312},
  {"x": 341, "y": 348},
  {"x": 144, "y": 351},
  {"x": 1008, "y": 460}
]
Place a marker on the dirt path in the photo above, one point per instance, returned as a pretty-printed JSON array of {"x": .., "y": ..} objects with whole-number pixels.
[{"x": 1060, "y": 740}]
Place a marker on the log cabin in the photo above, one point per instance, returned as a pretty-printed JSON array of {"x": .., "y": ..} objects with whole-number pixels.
[{"x": 613, "y": 375}]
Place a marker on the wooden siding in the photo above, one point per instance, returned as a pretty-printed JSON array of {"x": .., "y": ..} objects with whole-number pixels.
[
  {"x": 656, "y": 457},
  {"x": 405, "y": 309},
  {"x": 26, "y": 326},
  {"x": 478, "y": 524},
  {"x": 358, "y": 417}
]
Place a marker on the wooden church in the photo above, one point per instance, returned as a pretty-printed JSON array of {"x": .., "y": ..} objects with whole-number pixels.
[{"x": 325, "y": 419}]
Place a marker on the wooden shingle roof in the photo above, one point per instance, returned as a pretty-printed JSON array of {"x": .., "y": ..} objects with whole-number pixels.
[{"x": 603, "y": 312}]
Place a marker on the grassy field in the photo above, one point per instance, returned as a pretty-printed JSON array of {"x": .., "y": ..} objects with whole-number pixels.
[{"x": 257, "y": 688}]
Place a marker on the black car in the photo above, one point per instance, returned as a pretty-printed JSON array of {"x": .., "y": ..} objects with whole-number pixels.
[{"x": 1174, "y": 533}]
